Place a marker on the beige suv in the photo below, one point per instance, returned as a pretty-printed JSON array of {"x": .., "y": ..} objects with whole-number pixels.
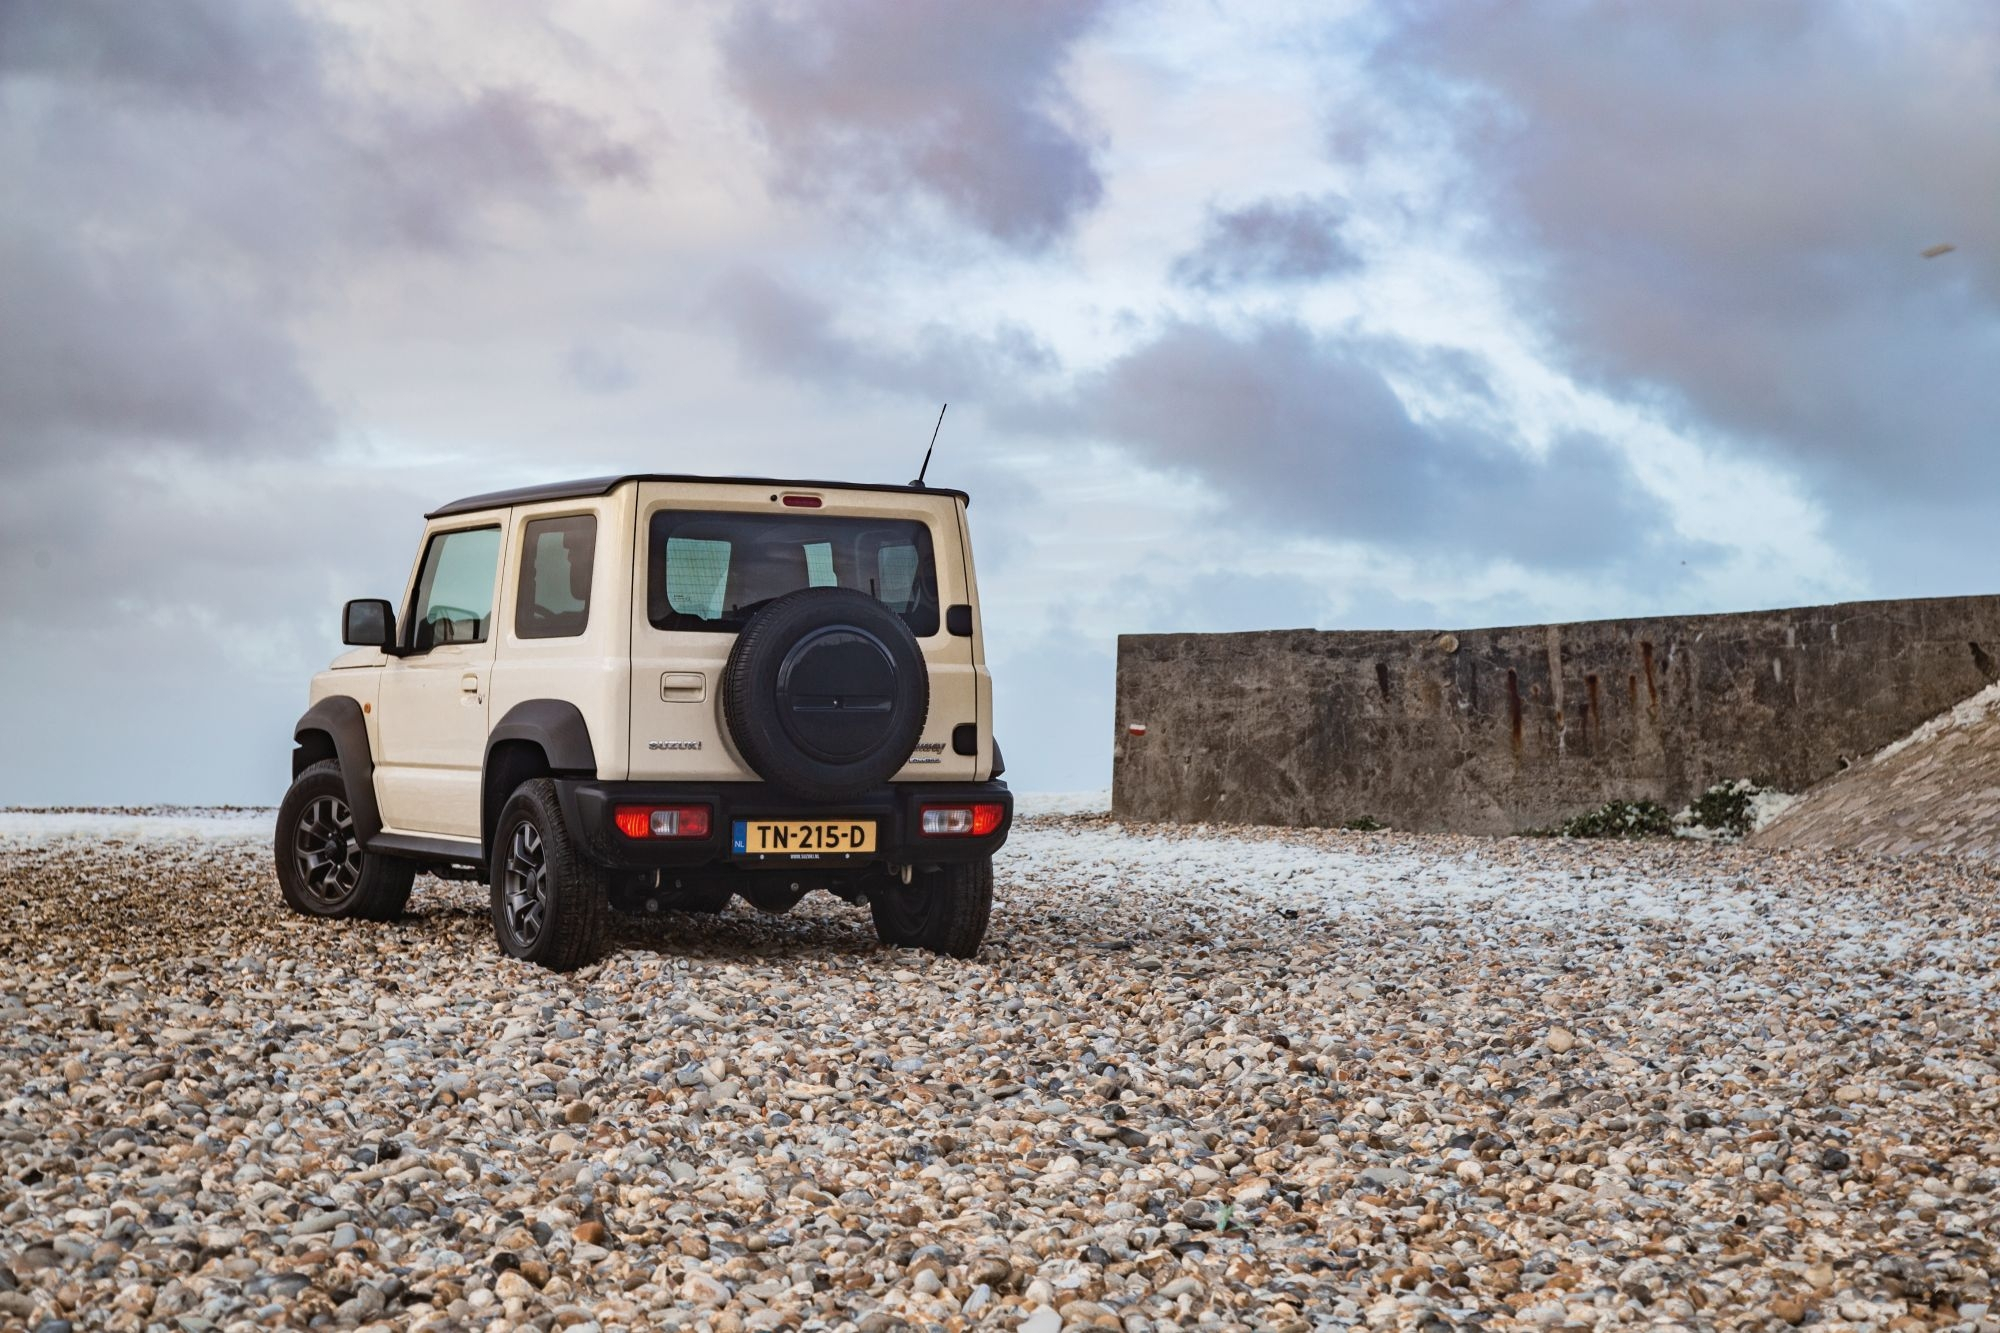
[{"x": 658, "y": 692}]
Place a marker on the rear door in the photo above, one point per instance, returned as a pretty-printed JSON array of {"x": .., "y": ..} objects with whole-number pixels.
[
  {"x": 709, "y": 555},
  {"x": 431, "y": 729}
]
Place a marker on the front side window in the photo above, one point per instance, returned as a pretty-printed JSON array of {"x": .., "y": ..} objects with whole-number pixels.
[
  {"x": 553, "y": 601},
  {"x": 713, "y": 571},
  {"x": 455, "y": 589}
]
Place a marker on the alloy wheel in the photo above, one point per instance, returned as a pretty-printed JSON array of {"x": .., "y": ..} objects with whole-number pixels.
[
  {"x": 525, "y": 885},
  {"x": 327, "y": 852}
]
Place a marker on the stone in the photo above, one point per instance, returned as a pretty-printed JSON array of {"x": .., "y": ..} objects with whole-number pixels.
[
  {"x": 511, "y": 1285},
  {"x": 322, "y": 1222},
  {"x": 702, "y": 1289},
  {"x": 1041, "y": 1320},
  {"x": 1345, "y": 1117}
]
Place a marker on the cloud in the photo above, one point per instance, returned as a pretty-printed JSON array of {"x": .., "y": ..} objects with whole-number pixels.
[
  {"x": 1300, "y": 429},
  {"x": 873, "y": 102},
  {"x": 785, "y": 330},
  {"x": 1721, "y": 210},
  {"x": 220, "y": 54},
  {"x": 177, "y": 188},
  {"x": 112, "y": 351},
  {"x": 1272, "y": 241},
  {"x": 598, "y": 367},
  {"x": 1294, "y": 427},
  {"x": 186, "y": 190}
]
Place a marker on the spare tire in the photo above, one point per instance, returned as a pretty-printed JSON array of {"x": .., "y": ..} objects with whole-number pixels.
[{"x": 825, "y": 693}]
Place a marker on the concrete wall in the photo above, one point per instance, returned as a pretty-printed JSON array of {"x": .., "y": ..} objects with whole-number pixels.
[{"x": 1498, "y": 730}]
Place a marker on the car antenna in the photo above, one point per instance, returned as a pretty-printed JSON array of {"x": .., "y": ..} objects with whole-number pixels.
[{"x": 933, "y": 444}]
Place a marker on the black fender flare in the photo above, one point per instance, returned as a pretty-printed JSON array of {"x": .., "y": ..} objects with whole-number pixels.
[
  {"x": 557, "y": 728},
  {"x": 339, "y": 719}
]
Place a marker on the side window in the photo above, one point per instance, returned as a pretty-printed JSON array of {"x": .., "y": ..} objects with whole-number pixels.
[
  {"x": 697, "y": 576},
  {"x": 896, "y": 569},
  {"x": 556, "y": 558},
  {"x": 455, "y": 589},
  {"x": 819, "y": 565}
]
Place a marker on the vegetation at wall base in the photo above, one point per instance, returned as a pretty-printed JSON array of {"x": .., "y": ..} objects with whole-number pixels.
[
  {"x": 1725, "y": 810},
  {"x": 1364, "y": 824},
  {"x": 1614, "y": 819}
]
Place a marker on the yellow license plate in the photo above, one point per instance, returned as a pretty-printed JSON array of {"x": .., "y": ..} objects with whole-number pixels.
[{"x": 804, "y": 837}]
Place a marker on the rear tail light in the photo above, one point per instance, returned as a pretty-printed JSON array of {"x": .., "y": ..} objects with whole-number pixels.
[
  {"x": 662, "y": 821},
  {"x": 962, "y": 821}
]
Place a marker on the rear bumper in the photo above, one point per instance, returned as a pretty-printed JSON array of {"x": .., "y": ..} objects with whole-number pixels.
[{"x": 588, "y": 806}]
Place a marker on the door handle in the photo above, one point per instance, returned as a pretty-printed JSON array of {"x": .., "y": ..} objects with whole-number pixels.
[
  {"x": 469, "y": 683},
  {"x": 687, "y": 687}
]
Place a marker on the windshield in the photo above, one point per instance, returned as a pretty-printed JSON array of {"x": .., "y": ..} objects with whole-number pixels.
[{"x": 712, "y": 571}]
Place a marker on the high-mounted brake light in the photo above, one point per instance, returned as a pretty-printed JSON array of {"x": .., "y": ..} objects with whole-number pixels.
[
  {"x": 961, "y": 821},
  {"x": 802, "y": 502},
  {"x": 662, "y": 821}
]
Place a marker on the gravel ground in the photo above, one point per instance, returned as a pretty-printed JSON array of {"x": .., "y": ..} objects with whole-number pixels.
[{"x": 1247, "y": 1079}]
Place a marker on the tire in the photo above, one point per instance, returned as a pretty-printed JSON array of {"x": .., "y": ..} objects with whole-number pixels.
[
  {"x": 944, "y": 910},
  {"x": 825, "y": 693},
  {"x": 322, "y": 869},
  {"x": 549, "y": 901}
]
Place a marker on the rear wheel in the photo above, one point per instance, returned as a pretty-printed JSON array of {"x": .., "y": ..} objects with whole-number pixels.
[
  {"x": 322, "y": 869},
  {"x": 549, "y": 901},
  {"x": 944, "y": 910}
]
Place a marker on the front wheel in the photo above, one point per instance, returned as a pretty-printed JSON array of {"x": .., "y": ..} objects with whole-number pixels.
[
  {"x": 322, "y": 869},
  {"x": 944, "y": 910},
  {"x": 549, "y": 901}
]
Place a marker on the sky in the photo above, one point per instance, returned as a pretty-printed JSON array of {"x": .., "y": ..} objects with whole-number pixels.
[{"x": 1353, "y": 315}]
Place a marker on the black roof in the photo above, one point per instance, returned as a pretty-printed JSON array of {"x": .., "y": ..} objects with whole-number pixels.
[{"x": 595, "y": 486}]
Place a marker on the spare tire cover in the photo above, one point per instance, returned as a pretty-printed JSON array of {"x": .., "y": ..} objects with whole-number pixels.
[{"x": 825, "y": 693}]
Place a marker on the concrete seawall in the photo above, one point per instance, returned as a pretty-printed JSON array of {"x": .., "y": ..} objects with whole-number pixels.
[{"x": 1499, "y": 730}]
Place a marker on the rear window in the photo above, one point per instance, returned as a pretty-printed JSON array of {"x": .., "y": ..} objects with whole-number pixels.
[{"x": 712, "y": 571}]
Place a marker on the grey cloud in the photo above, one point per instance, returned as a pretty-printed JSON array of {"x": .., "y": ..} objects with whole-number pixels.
[
  {"x": 1725, "y": 206},
  {"x": 107, "y": 352},
  {"x": 1301, "y": 430},
  {"x": 425, "y": 170},
  {"x": 790, "y": 332},
  {"x": 1295, "y": 428},
  {"x": 1275, "y": 241},
  {"x": 873, "y": 101},
  {"x": 219, "y": 54},
  {"x": 185, "y": 185},
  {"x": 179, "y": 184},
  {"x": 597, "y": 367}
]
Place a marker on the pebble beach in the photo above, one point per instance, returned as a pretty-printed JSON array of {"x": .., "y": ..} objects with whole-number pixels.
[{"x": 1198, "y": 1078}]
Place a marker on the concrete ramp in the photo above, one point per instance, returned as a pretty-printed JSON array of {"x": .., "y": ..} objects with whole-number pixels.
[{"x": 1935, "y": 791}]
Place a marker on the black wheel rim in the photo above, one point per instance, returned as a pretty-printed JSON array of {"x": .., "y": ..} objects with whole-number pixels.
[
  {"x": 326, "y": 851},
  {"x": 524, "y": 887}
]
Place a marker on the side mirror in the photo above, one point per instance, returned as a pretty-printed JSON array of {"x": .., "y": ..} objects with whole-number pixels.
[{"x": 368, "y": 622}]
